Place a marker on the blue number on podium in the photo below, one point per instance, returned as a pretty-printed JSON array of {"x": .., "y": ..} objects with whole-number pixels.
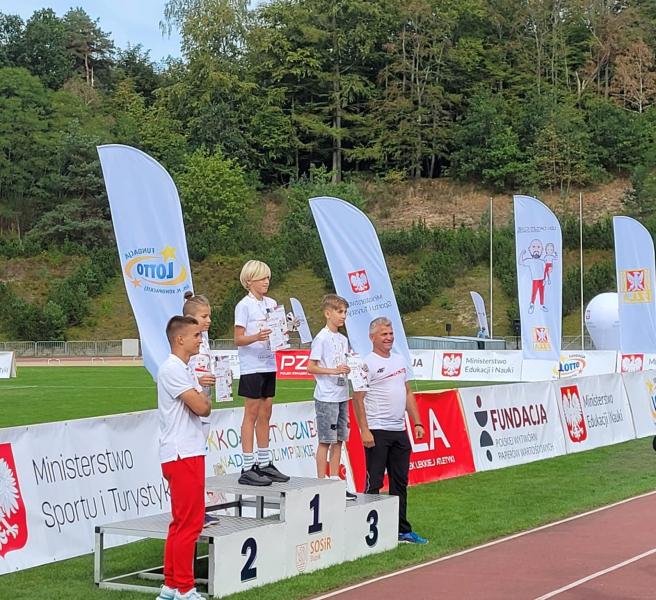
[
  {"x": 316, "y": 526},
  {"x": 249, "y": 549},
  {"x": 372, "y": 537}
]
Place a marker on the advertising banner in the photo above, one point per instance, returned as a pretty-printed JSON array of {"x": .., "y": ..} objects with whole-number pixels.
[
  {"x": 59, "y": 480},
  {"x": 477, "y": 365},
  {"x": 422, "y": 363},
  {"x": 151, "y": 242},
  {"x": 359, "y": 272},
  {"x": 634, "y": 265},
  {"x": 7, "y": 365},
  {"x": 572, "y": 363},
  {"x": 634, "y": 362},
  {"x": 512, "y": 424},
  {"x": 444, "y": 452},
  {"x": 594, "y": 412},
  {"x": 539, "y": 258},
  {"x": 641, "y": 391},
  {"x": 293, "y": 364}
]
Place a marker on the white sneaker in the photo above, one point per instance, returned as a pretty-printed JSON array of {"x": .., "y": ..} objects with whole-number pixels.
[
  {"x": 166, "y": 593},
  {"x": 192, "y": 594}
]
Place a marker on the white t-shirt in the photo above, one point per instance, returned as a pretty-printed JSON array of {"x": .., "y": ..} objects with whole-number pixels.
[
  {"x": 180, "y": 430},
  {"x": 384, "y": 402},
  {"x": 251, "y": 314},
  {"x": 330, "y": 349},
  {"x": 536, "y": 266}
]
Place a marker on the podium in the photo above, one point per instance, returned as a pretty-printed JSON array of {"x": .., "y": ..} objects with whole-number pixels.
[{"x": 275, "y": 532}]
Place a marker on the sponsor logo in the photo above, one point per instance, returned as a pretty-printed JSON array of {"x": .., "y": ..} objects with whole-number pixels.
[
  {"x": 570, "y": 399},
  {"x": 434, "y": 431},
  {"x": 482, "y": 417},
  {"x": 359, "y": 281},
  {"x": 155, "y": 271},
  {"x": 13, "y": 517},
  {"x": 651, "y": 393},
  {"x": 451, "y": 364},
  {"x": 301, "y": 557},
  {"x": 571, "y": 367},
  {"x": 381, "y": 370},
  {"x": 541, "y": 341},
  {"x": 319, "y": 546},
  {"x": 631, "y": 363},
  {"x": 294, "y": 363},
  {"x": 635, "y": 286}
]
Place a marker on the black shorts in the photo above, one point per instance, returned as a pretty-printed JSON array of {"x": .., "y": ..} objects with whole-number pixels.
[{"x": 257, "y": 385}]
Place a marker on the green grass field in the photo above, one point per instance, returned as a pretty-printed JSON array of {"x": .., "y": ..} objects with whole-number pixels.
[{"x": 453, "y": 514}]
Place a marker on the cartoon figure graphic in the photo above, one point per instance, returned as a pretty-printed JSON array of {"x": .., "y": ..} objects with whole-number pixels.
[
  {"x": 550, "y": 255},
  {"x": 537, "y": 266}
]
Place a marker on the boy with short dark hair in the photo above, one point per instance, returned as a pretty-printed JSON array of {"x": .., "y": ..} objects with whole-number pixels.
[{"x": 328, "y": 365}]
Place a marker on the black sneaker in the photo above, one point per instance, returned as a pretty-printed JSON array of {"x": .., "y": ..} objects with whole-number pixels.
[
  {"x": 351, "y": 496},
  {"x": 253, "y": 477},
  {"x": 210, "y": 520},
  {"x": 270, "y": 471}
]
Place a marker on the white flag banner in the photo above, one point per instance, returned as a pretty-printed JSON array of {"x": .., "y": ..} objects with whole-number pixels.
[
  {"x": 594, "y": 411},
  {"x": 151, "y": 243},
  {"x": 481, "y": 315},
  {"x": 538, "y": 246},
  {"x": 7, "y": 365},
  {"x": 634, "y": 264},
  {"x": 359, "y": 272},
  {"x": 299, "y": 315}
]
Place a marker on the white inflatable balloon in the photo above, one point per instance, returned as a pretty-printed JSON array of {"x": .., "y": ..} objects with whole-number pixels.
[{"x": 603, "y": 321}]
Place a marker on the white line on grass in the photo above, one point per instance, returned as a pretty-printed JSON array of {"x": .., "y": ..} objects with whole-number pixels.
[
  {"x": 597, "y": 574},
  {"x": 481, "y": 547}
]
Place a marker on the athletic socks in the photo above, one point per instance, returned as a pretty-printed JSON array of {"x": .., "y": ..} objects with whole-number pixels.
[
  {"x": 249, "y": 460},
  {"x": 263, "y": 456}
]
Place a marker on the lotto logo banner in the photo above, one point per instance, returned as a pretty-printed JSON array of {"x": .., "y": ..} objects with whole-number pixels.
[
  {"x": 477, "y": 365},
  {"x": 293, "y": 364},
  {"x": 594, "y": 412},
  {"x": 512, "y": 424},
  {"x": 13, "y": 520},
  {"x": 151, "y": 243},
  {"x": 641, "y": 391},
  {"x": 444, "y": 452}
]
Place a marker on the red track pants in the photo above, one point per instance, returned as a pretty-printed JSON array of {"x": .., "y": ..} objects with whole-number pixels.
[{"x": 186, "y": 477}]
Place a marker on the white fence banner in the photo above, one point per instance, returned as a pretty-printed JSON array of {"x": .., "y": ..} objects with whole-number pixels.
[
  {"x": 641, "y": 390},
  {"x": 7, "y": 365},
  {"x": 477, "y": 365},
  {"x": 594, "y": 412},
  {"x": 632, "y": 363},
  {"x": 422, "y": 363},
  {"x": 512, "y": 424},
  {"x": 573, "y": 363},
  {"x": 59, "y": 480}
]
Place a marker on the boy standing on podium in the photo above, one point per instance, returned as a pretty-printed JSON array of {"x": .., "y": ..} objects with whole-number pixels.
[
  {"x": 181, "y": 402},
  {"x": 328, "y": 365}
]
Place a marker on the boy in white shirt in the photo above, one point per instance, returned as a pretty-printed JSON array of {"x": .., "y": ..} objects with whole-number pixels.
[
  {"x": 257, "y": 381},
  {"x": 328, "y": 365},
  {"x": 181, "y": 403}
]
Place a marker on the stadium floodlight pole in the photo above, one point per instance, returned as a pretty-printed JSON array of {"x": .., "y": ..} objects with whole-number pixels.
[
  {"x": 491, "y": 332},
  {"x": 581, "y": 267}
]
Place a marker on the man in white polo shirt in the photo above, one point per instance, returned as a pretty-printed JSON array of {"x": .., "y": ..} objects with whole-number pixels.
[
  {"x": 380, "y": 413},
  {"x": 181, "y": 403}
]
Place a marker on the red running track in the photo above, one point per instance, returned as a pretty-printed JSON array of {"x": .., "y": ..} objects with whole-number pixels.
[{"x": 608, "y": 553}]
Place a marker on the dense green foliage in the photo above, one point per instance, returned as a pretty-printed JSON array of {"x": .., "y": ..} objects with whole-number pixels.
[{"x": 309, "y": 96}]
